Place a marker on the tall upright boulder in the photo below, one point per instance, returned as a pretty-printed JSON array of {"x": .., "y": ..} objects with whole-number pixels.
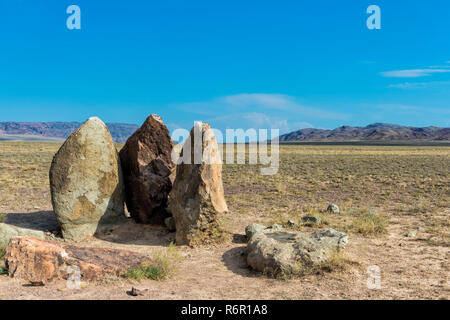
[
  {"x": 86, "y": 181},
  {"x": 148, "y": 171},
  {"x": 197, "y": 198}
]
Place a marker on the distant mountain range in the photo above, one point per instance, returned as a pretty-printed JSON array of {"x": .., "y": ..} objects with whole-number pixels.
[
  {"x": 372, "y": 132},
  {"x": 57, "y": 131}
]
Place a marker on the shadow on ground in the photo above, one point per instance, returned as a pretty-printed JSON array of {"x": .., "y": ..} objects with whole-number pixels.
[
  {"x": 235, "y": 260},
  {"x": 126, "y": 232},
  {"x": 130, "y": 232},
  {"x": 40, "y": 220}
]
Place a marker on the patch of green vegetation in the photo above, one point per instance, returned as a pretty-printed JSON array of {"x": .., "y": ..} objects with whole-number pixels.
[
  {"x": 164, "y": 265},
  {"x": 3, "y": 270},
  {"x": 146, "y": 270},
  {"x": 2, "y": 217}
]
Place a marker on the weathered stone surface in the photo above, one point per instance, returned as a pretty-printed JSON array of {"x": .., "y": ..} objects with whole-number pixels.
[
  {"x": 41, "y": 260},
  {"x": 9, "y": 231},
  {"x": 148, "y": 171},
  {"x": 277, "y": 251},
  {"x": 311, "y": 219},
  {"x": 170, "y": 223},
  {"x": 254, "y": 228},
  {"x": 333, "y": 208},
  {"x": 197, "y": 199},
  {"x": 86, "y": 181}
]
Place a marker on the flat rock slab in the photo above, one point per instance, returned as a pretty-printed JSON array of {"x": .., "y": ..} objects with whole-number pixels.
[
  {"x": 37, "y": 260},
  {"x": 271, "y": 250}
]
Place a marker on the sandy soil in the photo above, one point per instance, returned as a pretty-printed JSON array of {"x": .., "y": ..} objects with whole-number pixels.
[
  {"x": 409, "y": 185},
  {"x": 410, "y": 269}
]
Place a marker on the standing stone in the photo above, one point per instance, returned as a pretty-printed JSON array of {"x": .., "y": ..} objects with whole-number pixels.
[
  {"x": 148, "y": 171},
  {"x": 86, "y": 181},
  {"x": 197, "y": 199}
]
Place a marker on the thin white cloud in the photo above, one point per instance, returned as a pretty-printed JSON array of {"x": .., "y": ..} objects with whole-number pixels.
[
  {"x": 254, "y": 102},
  {"x": 418, "y": 85},
  {"x": 259, "y": 110},
  {"x": 413, "y": 73}
]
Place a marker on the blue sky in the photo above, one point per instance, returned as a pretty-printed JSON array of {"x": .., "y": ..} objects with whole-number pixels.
[{"x": 237, "y": 64}]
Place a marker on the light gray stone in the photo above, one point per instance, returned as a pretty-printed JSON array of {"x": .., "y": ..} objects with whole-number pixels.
[
  {"x": 254, "y": 228},
  {"x": 9, "y": 231},
  {"x": 333, "y": 208},
  {"x": 273, "y": 252}
]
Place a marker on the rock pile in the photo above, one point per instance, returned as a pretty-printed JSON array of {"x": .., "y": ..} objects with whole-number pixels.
[
  {"x": 148, "y": 171},
  {"x": 90, "y": 182},
  {"x": 86, "y": 181},
  {"x": 197, "y": 198},
  {"x": 273, "y": 251}
]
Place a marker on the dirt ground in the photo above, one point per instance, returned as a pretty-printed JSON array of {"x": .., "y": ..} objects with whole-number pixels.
[{"x": 414, "y": 267}]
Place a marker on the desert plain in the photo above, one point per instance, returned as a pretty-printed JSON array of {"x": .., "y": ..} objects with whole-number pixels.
[{"x": 394, "y": 205}]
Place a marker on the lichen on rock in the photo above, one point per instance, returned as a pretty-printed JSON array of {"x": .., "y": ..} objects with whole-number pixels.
[{"x": 86, "y": 181}]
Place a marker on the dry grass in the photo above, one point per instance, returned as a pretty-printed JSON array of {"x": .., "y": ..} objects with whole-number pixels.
[
  {"x": 398, "y": 180},
  {"x": 395, "y": 181},
  {"x": 164, "y": 266},
  {"x": 408, "y": 187},
  {"x": 370, "y": 224},
  {"x": 337, "y": 263}
]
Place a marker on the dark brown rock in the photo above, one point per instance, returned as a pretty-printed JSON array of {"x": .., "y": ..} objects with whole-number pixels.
[
  {"x": 197, "y": 198},
  {"x": 38, "y": 260},
  {"x": 148, "y": 171}
]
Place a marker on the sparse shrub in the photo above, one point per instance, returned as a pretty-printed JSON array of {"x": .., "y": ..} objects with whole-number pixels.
[
  {"x": 370, "y": 224},
  {"x": 147, "y": 270},
  {"x": 164, "y": 266}
]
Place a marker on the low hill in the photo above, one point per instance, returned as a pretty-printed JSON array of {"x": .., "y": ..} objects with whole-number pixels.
[
  {"x": 372, "y": 132},
  {"x": 56, "y": 131}
]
